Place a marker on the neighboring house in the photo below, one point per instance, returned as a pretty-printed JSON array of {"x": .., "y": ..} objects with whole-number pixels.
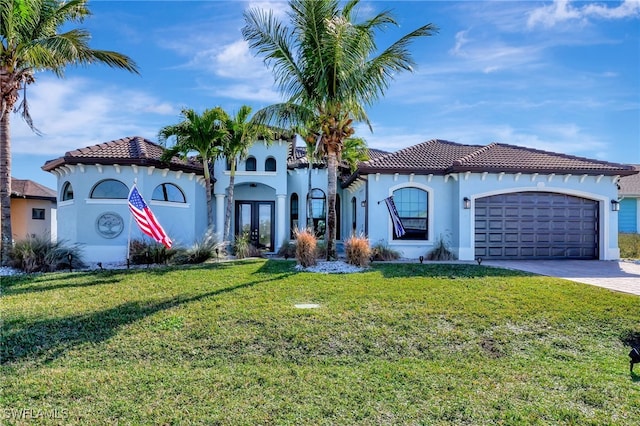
[
  {"x": 494, "y": 201},
  {"x": 33, "y": 210},
  {"x": 629, "y": 194}
]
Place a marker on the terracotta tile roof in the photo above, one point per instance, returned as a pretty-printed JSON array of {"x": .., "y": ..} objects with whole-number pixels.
[
  {"x": 630, "y": 185},
  {"x": 298, "y": 157},
  {"x": 434, "y": 156},
  {"x": 126, "y": 151},
  {"x": 24, "y": 188},
  {"x": 441, "y": 157}
]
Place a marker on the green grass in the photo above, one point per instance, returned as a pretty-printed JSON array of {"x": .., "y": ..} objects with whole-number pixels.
[{"x": 398, "y": 344}]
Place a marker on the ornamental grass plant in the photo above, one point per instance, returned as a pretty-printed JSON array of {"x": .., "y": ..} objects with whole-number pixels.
[
  {"x": 306, "y": 248},
  {"x": 357, "y": 251},
  {"x": 40, "y": 254}
]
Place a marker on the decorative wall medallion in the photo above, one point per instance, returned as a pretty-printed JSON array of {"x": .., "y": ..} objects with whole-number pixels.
[{"x": 109, "y": 225}]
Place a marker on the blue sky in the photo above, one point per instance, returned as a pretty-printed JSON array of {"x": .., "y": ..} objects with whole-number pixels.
[{"x": 562, "y": 76}]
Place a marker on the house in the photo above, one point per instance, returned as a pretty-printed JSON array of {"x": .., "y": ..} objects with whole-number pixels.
[
  {"x": 493, "y": 201},
  {"x": 33, "y": 210},
  {"x": 93, "y": 187},
  {"x": 629, "y": 194}
]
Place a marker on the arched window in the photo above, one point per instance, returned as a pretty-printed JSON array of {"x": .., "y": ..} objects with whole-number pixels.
[
  {"x": 270, "y": 164},
  {"x": 168, "y": 192},
  {"x": 412, "y": 207},
  {"x": 354, "y": 215},
  {"x": 251, "y": 164},
  {"x": 318, "y": 211},
  {"x": 67, "y": 192},
  {"x": 111, "y": 189},
  {"x": 293, "y": 224}
]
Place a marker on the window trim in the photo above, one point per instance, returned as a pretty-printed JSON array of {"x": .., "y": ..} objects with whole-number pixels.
[
  {"x": 255, "y": 164},
  {"x": 164, "y": 192},
  {"x": 275, "y": 164},
  {"x": 64, "y": 191},
  {"x": 38, "y": 209},
  {"x": 430, "y": 213},
  {"x": 91, "y": 197},
  {"x": 354, "y": 215},
  {"x": 291, "y": 215}
]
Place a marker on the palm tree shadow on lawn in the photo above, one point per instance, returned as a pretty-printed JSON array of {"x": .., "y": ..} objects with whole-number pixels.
[{"x": 51, "y": 338}]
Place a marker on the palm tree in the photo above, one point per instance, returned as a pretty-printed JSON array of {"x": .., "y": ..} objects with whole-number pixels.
[
  {"x": 31, "y": 40},
  {"x": 205, "y": 135},
  {"x": 329, "y": 68},
  {"x": 242, "y": 134},
  {"x": 353, "y": 152}
]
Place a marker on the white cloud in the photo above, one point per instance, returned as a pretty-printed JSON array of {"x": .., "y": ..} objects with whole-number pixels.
[
  {"x": 248, "y": 92},
  {"x": 279, "y": 8},
  {"x": 236, "y": 61},
  {"x": 562, "y": 10},
  {"x": 79, "y": 112}
]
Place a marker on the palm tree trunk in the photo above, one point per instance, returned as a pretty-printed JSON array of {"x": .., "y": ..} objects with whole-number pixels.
[
  {"x": 5, "y": 187},
  {"x": 227, "y": 216},
  {"x": 309, "y": 207},
  {"x": 208, "y": 188},
  {"x": 332, "y": 169}
]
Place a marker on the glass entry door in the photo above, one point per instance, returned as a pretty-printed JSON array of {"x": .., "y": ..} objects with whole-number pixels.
[{"x": 255, "y": 219}]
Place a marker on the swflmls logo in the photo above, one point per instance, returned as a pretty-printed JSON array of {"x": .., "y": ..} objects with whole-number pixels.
[{"x": 32, "y": 414}]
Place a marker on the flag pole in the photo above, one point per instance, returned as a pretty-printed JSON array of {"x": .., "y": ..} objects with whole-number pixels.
[{"x": 135, "y": 182}]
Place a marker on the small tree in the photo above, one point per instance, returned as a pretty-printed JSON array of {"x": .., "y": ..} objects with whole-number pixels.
[{"x": 204, "y": 134}]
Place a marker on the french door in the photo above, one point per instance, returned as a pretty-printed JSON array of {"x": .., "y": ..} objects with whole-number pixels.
[{"x": 255, "y": 218}]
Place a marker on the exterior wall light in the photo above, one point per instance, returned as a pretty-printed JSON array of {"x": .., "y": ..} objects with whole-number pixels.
[
  {"x": 363, "y": 203},
  {"x": 466, "y": 203},
  {"x": 615, "y": 205}
]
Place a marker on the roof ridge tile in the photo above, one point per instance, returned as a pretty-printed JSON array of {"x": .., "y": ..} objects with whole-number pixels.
[
  {"x": 474, "y": 154},
  {"x": 559, "y": 154}
]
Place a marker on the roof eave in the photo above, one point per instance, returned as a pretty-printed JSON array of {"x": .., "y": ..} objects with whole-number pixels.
[
  {"x": 53, "y": 164},
  {"x": 577, "y": 171}
]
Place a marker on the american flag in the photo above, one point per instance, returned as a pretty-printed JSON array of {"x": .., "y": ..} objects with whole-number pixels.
[
  {"x": 395, "y": 218},
  {"x": 146, "y": 220}
]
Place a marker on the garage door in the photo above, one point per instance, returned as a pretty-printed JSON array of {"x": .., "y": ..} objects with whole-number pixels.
[{"x": 536, "y": 225}]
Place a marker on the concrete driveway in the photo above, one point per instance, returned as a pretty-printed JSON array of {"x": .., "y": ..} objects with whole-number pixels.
[{"x": 621, "y": 276}]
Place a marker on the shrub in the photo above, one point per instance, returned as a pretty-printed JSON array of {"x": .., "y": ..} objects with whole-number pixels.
[
  {"x": 321, "y": 249},
  {"x": 201, "y": 251},
  {"x": 382, "y": 252},
  {"x": 441, "y": 252},
  {"x": 287, "y": 250},
  {"x": 306, "y": 246},
  {"x": 629, "y": 246},
  {"x": 242, "y": 247},
  {"x": 358, "y": 251},
  {"x": 40, "y": 254},
  {"x": 146, "y": 252}
]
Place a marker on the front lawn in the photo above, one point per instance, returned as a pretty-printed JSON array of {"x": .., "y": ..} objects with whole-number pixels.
[{"x": 398, "y": 344}]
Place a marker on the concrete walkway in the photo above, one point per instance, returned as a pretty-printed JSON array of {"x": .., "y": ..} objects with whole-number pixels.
[{"x": 623, "y": 276}]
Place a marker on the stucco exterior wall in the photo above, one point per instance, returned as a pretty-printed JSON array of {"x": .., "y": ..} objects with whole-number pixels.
[
  {"x": 447, "y": 218},
  {"x": 22, "y": 223},
  {"x": 78, "y": 219},
  {"x": 441, "y": 221},
  {"x": 598, "y": 188}
]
